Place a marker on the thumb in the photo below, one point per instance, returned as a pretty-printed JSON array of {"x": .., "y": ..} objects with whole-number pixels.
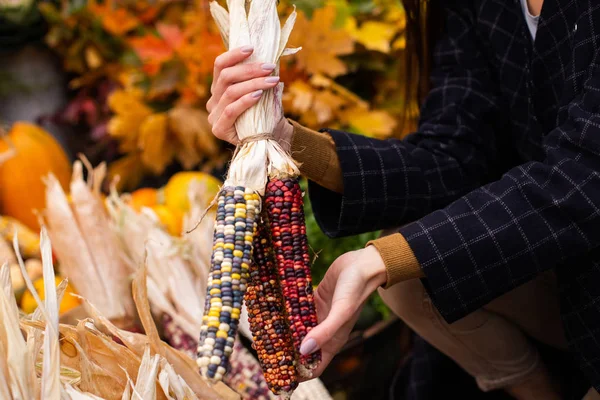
[{"x": 339, "y": 315}]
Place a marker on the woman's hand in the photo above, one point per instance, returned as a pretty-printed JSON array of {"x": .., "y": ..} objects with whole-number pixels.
[
  {"x": 339, "y": 299},
  {"x": 235, "y": 88}
]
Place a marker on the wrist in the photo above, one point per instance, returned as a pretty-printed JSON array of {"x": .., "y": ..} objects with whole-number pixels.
[
  {"x": 284, "y": 135},
  {"x": 399, "y": 259},
  {"x": 376, "y": 272}
]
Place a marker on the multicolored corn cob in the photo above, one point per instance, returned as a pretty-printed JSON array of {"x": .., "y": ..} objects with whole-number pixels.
[
  {"x": 235, "y": 225},
  {"x": 267, "y": 318},
  {"x": 285, "y": 211}
]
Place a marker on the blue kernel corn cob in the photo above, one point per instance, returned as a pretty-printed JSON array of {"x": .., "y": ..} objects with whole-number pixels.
[{"x": 235, "y": 226}]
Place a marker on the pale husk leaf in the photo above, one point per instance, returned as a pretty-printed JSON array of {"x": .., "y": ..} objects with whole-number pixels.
[
  {"x": 103, "y": 245},
  {"x": 145, "y": 385},
  {"x": 4, "y": 374},
  {"x": 16, "y": 350},
  {"x": 221, "y": 18},
  {"x": 51, "y": 360},
  {"x": 77, "y": 395},
  {"x": 165, "y": 264},
  {"x": 6, "y": 254},
  {"x": 70, "y": 247},
  {"x": 260, "y": 27}
]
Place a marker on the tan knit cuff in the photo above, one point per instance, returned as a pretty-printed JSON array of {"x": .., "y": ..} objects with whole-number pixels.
[
  {"x": 317, "y": 158},
  {"x": 400, "y": 261}
]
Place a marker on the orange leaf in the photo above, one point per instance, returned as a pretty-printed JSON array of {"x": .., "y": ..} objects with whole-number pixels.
[
  {"x": 116, "y": 21},
  {"x": 321, "y": 43},
  {"x": 151, "y": 49},
  {"x": 171, "y": 34}
]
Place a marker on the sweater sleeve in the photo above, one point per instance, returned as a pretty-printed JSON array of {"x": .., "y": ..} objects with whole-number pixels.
[
  {"x": 318, "y": 161},
  {"x": 387, "y": 183}
]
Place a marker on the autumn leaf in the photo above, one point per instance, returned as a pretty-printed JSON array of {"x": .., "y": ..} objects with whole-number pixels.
[
  {"x": 115, "y": 20},
  {"x": 321, "y": 82},
  {"x": 128, "y": 171},
  {"x": 156, "y": 147},
  {"x": 150, "y": 48},
  {"x": 373, "y": 35},
  {"x": 191, "y": 129},
  {"x": 171, "y": 34},
  {"x": 298, "y": 98},
  {"x": 321, "y": 43},
  {"x": 130, "y": 112},
  {"x": 370, "y": 123}
]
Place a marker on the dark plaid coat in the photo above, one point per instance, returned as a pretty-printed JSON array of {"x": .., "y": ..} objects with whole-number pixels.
[{"x": 502, "y": 179}]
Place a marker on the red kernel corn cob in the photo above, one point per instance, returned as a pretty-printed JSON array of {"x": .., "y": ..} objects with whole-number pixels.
[
  {"x": 285, "y": 211},
  {"x": 266, "y": 314}
]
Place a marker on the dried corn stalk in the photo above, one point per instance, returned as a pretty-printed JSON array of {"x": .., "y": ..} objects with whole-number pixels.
[
  {"x": 87, "y": 363},
  {"x": 89, "y": 252}
]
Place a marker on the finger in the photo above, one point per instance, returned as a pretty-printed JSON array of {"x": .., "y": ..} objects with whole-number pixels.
[
  {"x": 232, "y": 112},
  {"x": 239, "y": 73},
  {"x": 323, "y": 364},
  {"x": 229, "y": 59},
  {"x": 322, "y": 305},
  {"x": 333, "y": 347},
  {"x": 235, "y": 92},
  {"x": 340, "y": 314}
]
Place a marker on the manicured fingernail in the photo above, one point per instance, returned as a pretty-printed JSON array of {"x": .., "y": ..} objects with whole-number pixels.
[
  {"x": 308, "y": 346},
  {"x": 272, "y": 79},
  {"x": 247, "y": 49},
  {"x": 268, "y": 67},
  {"x": 257, "y": 94}
]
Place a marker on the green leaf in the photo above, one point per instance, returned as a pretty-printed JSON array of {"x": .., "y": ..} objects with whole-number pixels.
[{"x": 309, "y": 6}]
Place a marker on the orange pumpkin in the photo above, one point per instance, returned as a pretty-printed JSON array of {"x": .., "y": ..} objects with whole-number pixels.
[
  {"x": 28, "y": 154},
  {"x": 144, "y": 197}
]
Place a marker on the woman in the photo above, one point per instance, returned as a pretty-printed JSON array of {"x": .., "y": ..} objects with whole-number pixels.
[{"x": 495, "y": 193}]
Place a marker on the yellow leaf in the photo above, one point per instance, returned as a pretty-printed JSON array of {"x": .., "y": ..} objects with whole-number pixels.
[
  {"x": 92, "y": 58},
  {"x": 373, "y": 35},
  {"x": 157, "y": 149},
  {"x": 321, "y": 43},
  {"x": 400, "y": 43},
  {"x": 298, "y": 98},
  {"x": 128, "y": 102},
  {"x": 319, "y": 81},
  {"x": 129, "y": 171},
  {"x": 325, "y": 105},
  {"x": 191, "y": 128},
  {"x": 370, "y": 123},
  {"x": 130, "y": 113}
]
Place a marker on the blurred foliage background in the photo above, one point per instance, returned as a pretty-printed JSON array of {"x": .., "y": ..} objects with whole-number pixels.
[{"x": 140, "y": 72}]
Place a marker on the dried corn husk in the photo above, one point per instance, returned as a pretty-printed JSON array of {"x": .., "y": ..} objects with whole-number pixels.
[
  {"x": 76, "y": 260},
  {"x": 102, "y": 242},
  {"x": 14, "y": 349},
  {"x": 51, "y": 363},
  {"x": 29, "y": 241},
  {"x": 6, "y": 253},
  {"x": 259, "y": 155},
  {"x": 86, "y": 363}
]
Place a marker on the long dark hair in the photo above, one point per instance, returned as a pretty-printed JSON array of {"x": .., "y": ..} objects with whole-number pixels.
[{"x": 424, "y": 24}]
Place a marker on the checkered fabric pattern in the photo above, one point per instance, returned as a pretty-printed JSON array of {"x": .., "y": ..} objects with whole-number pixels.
[{"x": 502, "y": 180}]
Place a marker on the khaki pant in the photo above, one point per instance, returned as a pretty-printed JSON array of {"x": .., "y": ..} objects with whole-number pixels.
[{"x": 492, "y": 344}]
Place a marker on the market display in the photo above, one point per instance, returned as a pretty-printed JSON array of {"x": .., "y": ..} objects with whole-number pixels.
[{"x": 167, "y": 260}]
